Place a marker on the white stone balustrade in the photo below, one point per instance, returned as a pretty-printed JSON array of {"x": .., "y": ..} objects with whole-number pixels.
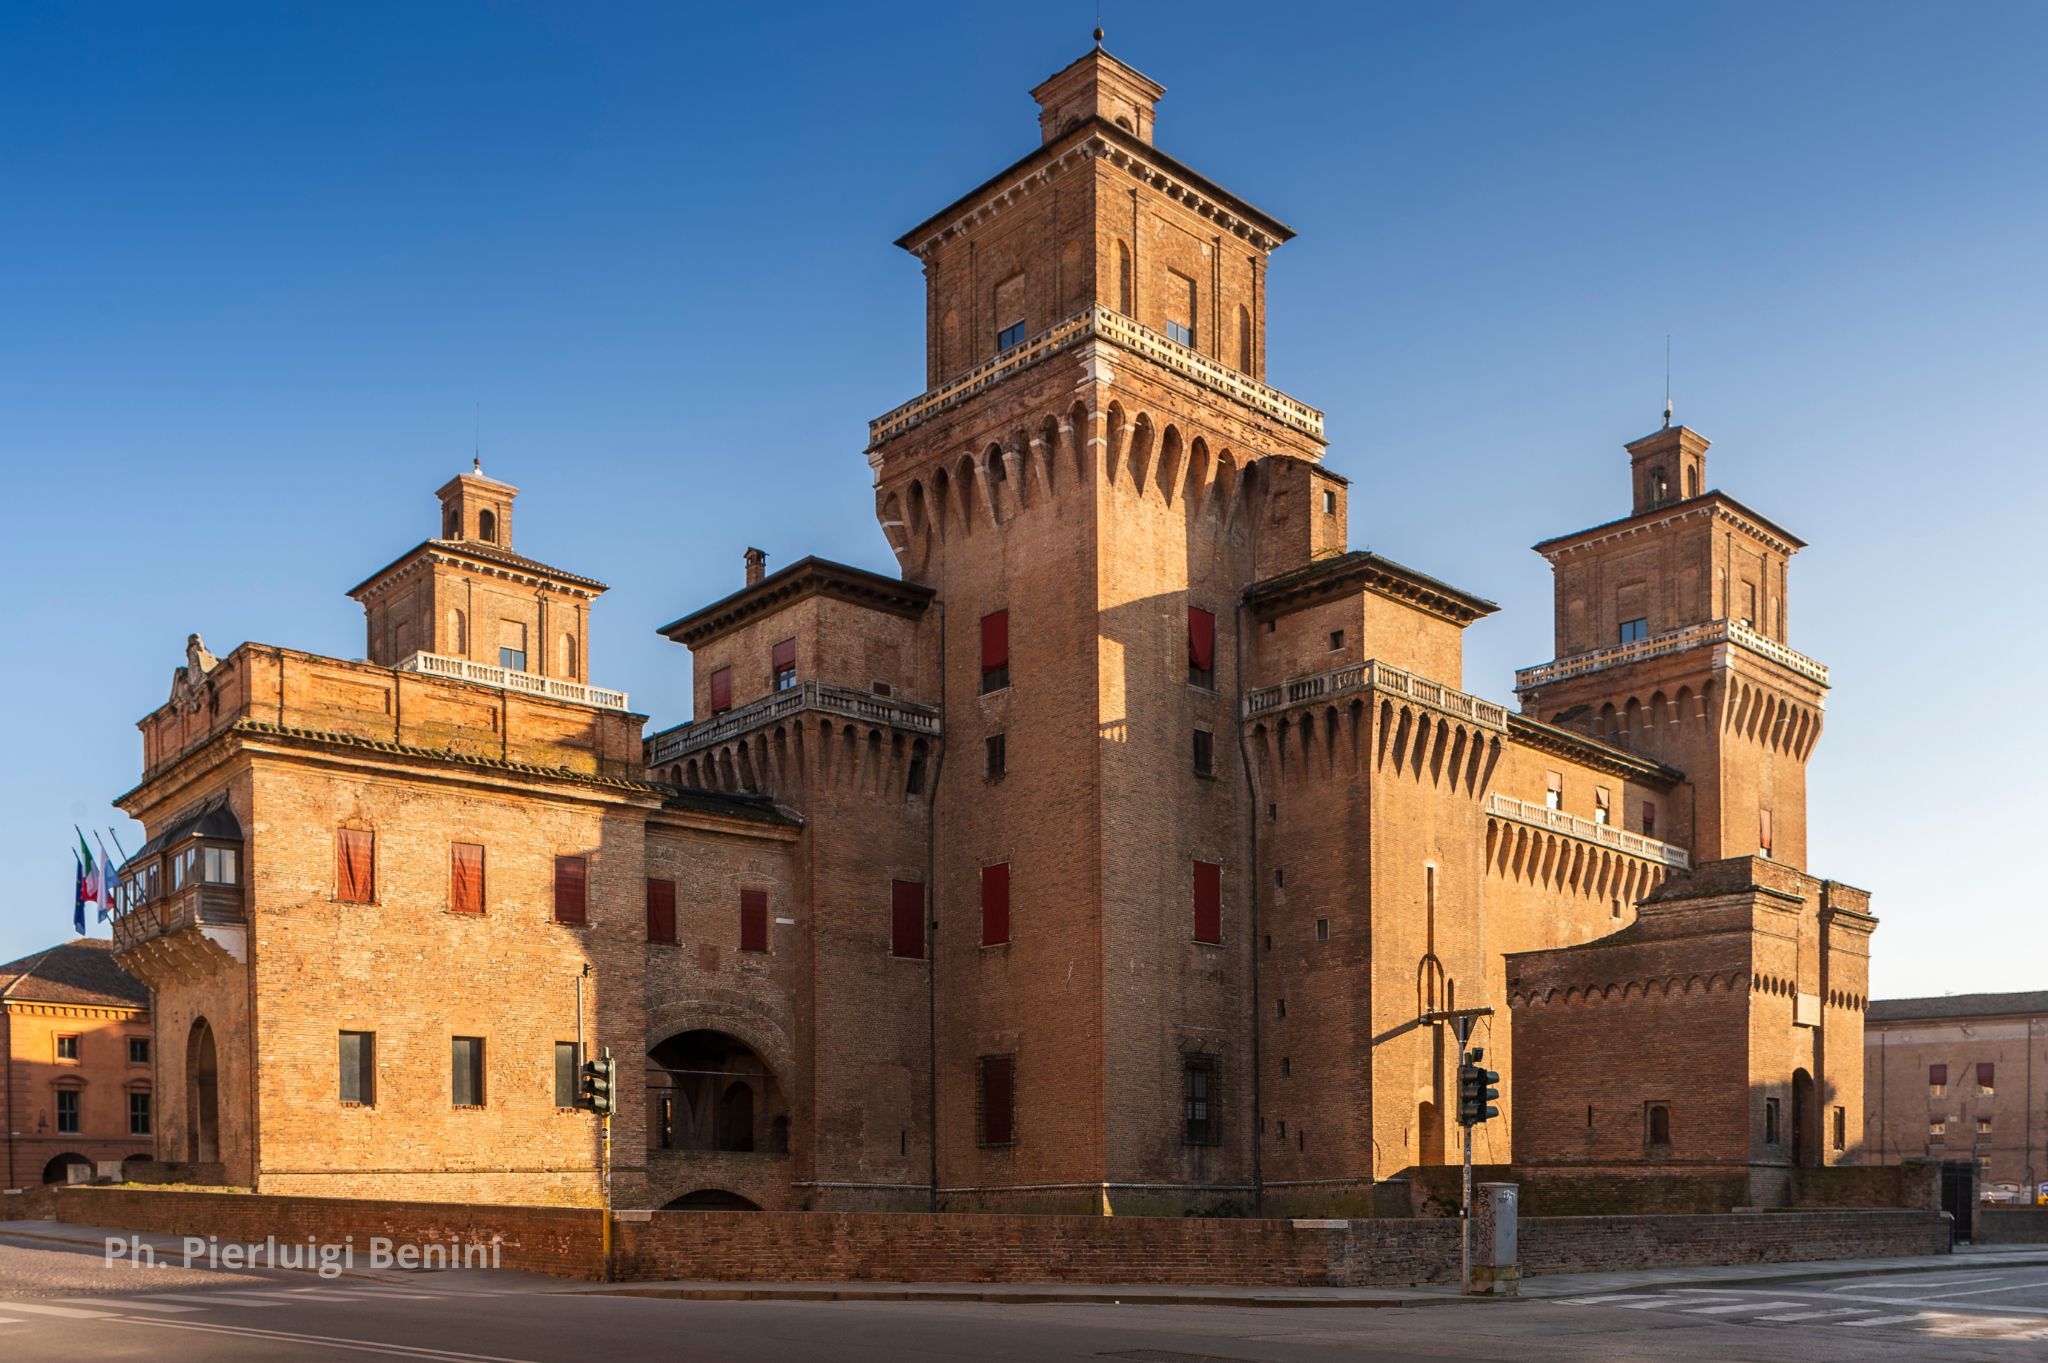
[
  {"x": 1373, "y": 675},
  {"x": 528, "y": 683},
  {"x": 1588, "y": 830},
  {"x": 1671, "y": 641},
  {"x": 844, "y": 701}
]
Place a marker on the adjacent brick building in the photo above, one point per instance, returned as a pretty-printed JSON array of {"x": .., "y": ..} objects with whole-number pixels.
[
  {"x": 77, "y": 1068},
  {"x": 1962, "y": 1077},
  {"x": 1128, "y": 850}
]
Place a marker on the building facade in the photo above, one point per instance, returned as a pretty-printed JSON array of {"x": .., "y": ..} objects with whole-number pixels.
[
  {"x": 1129, "y": 849},
  {"x": 1963, "y": 1077},
  {"x": 78, "y": 1088}
]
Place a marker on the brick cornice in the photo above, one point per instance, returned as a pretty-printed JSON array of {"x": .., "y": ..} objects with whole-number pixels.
[{"x": 1714, "y": 505}]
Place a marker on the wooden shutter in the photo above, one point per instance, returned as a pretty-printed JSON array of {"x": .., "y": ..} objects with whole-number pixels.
[
  {"x": 1937, "y": 1076},
  {"x": 355, "y": 865},
  {"x": 906, "y": 919},
  {"x": 784, "y": 656},
  {"x": 998, "y": 1108},
  {"x": 1201, "y": 640},
  {"x": 661, "y": 910},
  {"x": 995, "y": 641},
  {"x": 1984, "y": 1070},
  {"x": 721, "y": 690},
  {"x": 1208, "y": 902},
  {"x": 1763, "y": 831},
  {"x": 466, "y": 877},
  {"x": 753, "y": 920},
  {"x": 571, "y": 890},
  {"x": 995, "y": 904}
]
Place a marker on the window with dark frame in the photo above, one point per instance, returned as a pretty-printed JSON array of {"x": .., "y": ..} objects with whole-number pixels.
[
  {"x": 1770, "y": 1121},
  {"x": 572, "y": 890},
  {"x": 661, "y": 910},
  {"x": 1658, "y": 1123},
  {"x": 138, "y": 1112},
  {"x": 1649, "y": 819},
  {"x": 995, "y": 651},
  {"x": 568, "y": 1073},
  {"x": 466, "y": 877},
  {"x": 1011, "y": 335},
  {"x": 995, "y": 1098},
  {"x": 721, "y": 691},
  {"x": 1336, "y": 640},
  {"x": 138, "y": 1050},
  {"x": 1839, "y": 1128},
  {"x": 995, "y": 904},
  {"x": 1553, "y": 790},
  {"x": 359, "y": 1068},
  {"x": 753, "y": 920},
  {"x": 913, "y": 780},
  {"x": 1209, "y": 902},
  {"x": 355, "y": 865},
  {"x": 67, "y": 1112},
  {"x": 67, "y": 1047},
  {"x": 1635, "y": 631},
  {"x": 782, "y": 665},
  {"x": 1200, "y": 1124},
  {"x": 906, "y": 919},
  {"x": 1937, "y": 1081},
  {"x": 466, "y": 1066},
  {"x": 1205, "y": 753},
  {"x": 1601, "y": 811},
  {"x": 1201, "y": 648},
  {"x": 1984, "y": 1077},
  {"x": 994, "y": 756}
]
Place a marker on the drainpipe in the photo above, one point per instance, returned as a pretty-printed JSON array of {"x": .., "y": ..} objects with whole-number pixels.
[{"x": 931, "y": 927}]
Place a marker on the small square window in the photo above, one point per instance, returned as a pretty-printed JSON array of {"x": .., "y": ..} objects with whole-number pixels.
[
  {"x": 1983, "y": 1126},
  {"x": 138, "y": 1050},
  {"x": 67, "y": 1048},
  {"x": 1011, "y": 335},
  {"x": 882, "y": 688},
  {"x": 512, "y": 659},
  {"x": 1635, "y": 631},
  {"x": 1181, "y": 332},
  {"x": 1336, "y": 640},
  {"x": 1937, "y": 1127},
  {"x": 1329, "y": 502},
  {"x": 1205, "y": 753},
  {"x": 994, "y": 756}
]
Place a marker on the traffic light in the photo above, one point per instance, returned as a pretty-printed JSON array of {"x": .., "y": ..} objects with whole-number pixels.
[
  {"x": 1477, "y": 1088},
  {"x": 599, "y": 1087}
]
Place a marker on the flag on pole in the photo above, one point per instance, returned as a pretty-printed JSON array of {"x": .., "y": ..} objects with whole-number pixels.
[
  {"x": 109, "y": 885},
  {"x": 93, "y": 891},
  {"x": 78, "y": 896}
]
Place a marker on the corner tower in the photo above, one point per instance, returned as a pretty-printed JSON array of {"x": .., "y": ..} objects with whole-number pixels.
[
  {"x": 1671, "y": 629},
  {"x": 1093, "y": 476}
]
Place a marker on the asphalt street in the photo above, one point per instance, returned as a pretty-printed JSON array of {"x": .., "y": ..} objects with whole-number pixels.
[{"x": 61, "y": 1303}]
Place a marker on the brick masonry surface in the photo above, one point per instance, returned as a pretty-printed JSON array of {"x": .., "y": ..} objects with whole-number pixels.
[
  {"x": 912, "y": 1247},
  {"x": 2012, "y": 1225}
]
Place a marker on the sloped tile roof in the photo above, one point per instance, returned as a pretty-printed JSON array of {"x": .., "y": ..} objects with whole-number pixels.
[{"x": 81, "y": 971}]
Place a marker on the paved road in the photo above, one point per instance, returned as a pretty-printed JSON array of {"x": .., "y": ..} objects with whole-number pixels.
[{"x": 58, "y": 1303}]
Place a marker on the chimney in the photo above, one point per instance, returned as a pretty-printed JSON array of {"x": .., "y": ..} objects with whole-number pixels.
[{"x": 757, "y": 566}]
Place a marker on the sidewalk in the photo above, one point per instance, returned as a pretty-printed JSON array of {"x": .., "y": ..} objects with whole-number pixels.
[{"x": 169, "y": 1249}]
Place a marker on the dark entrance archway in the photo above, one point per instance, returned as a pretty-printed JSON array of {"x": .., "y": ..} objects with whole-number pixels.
[
  {"x": 712, "y": 1200},
  {"x": 708, "y": 1090},
  {"x": 1805, "y": 1120},
  {"x": 202, "y": 1095},
  {"x": 59, "y": 1169}
]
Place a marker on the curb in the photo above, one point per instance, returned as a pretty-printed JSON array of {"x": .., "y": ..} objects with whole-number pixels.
[
  {"x": 1818, "y": 1273},
  {"x": 1028, "y": 1296}
]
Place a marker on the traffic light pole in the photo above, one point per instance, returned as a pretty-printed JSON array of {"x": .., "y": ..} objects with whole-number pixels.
[
  {"x": 607, "y": 1179},
  {"x": 1463, "y": 1027}
]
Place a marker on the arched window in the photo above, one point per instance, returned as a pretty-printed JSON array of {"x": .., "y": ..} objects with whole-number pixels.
[
  {"x": 458, "y": 634},
  {"x": 1124, "y": 304},
  {"x": 487, "y": 526},
  {"x": 1244, "y": 338},
  {"x": 451, "y": 523},
  {"x": 1692, "y": 482},
  {"x": 568, "y": 655}
]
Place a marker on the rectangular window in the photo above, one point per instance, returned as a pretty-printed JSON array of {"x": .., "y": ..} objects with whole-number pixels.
[
  {"x": 1984, "y": 1079},
  {"x": 1329, "y": 502},
  {"x": 218, "y": 866},
  {"x": 1322, "y": 929},
  {"x": 67, "y": 1048},
  {"x": 721, "y": 691},
  {"x": 995, "y": 1098},
  {"x": 995, "y": 651},
  {"x": 67, "y": 1112},
  {"x": 359, "y": 1068},
  {"x": 1205, "y": 753},
  {"x": 568, "y": 1073},
  {"x": 466, "y": 877},
  {"x": 661, "y": 910},
  {"x": 906, "y": 919},
  {"x": 138, "y": 1050},
  {"x": 1008, "y": 306},
  {"x": 1635, "y": 631},
  {"x": 1601, "y": 811},
  {"x": 1553, "y": 790},
  {"x": 355, "y": 865},
  {"x": 1199, "y": 1125},
  {"x": 1838, "y": 1128},
  {"x": 783, "y": 665},
  {"x": 1770, "y": 1121},
  {"x": 1010, "y": 335},
  {"x": 995, "y": 904},
  {"x": 1336, "y": 641},
  {"x": 512, "y": 645},
  {"x": 1208, "y": 902},
  {"x": 753, "y": 920},
  {"x": 1937, "y": 1128},
  {"x": 1201, "y": 648},
  {"x": 994, "y": 756},
  {"x": 1181, "y": 310},
  {"x": 466, "y": 1071},
  {"x": 138, "y": 1114},
  {"x": 1937, "y": 1081},
  {"x": 572, "y": 886},
  {"x": 1763, "y": 833},
  {"x": 1649, "y": 819},
  {"x": 1983, "y": 1126}
]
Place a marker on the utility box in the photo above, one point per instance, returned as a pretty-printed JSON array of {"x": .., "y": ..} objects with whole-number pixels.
[{"x": 1495, "y": 1212}]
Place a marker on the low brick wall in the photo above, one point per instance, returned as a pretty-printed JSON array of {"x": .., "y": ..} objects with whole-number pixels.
[
  {"x": 1589, "y": 1190},
  {"x": 1912, "y": 1183},
  {"x": 566, "y": 1242},
  {"x": 1602, "y": 1244},
  {"x": 2012, "y": 1226}
]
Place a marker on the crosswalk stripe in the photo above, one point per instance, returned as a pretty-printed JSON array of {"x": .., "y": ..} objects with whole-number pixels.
[
  {"x": 1741, "y": 1306},
  {"x": 36, "y": 1308},
  {"x": 1590, "y": 1301},
  {"x": 128, "y": 1302},
  {"x": 1648, "y": 1302},
  {"x": 1818, "y": 1315},
  {"x": 1884, "y": 1320},
  {"x": 207, "y": 1299}
]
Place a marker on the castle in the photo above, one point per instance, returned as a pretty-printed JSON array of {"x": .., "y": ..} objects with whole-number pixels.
[{"x": 1129, "y": 851}]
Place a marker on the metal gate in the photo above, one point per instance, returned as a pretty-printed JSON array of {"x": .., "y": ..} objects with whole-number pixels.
[{"x": 1959, "y": 1197}]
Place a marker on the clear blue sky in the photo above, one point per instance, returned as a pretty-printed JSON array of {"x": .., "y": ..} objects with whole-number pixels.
[{"x": 260, "y": 263}]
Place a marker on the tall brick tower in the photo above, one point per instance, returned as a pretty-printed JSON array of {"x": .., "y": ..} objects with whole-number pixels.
[
  {"x": 1671, "y": 640},
  {"x": 1094, "y": 474}
]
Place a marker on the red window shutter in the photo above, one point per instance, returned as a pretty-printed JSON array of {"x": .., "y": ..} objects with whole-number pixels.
[
  {"x": 998, "y": 1111},
  {"x": 571, "y": 883},
  {"x": 721, "y": 690},
  {"x": 753, "y": 920},
  {"x": 1208, "y": 902},
  {"x": 355, "y": 865},
  {"x": 466, "y": 878},
  {"x": 1937, "y": 1074},
  {"x": 995, "y": 641},
  {"x": 995, "y": 904},
  {"x": 1201, "y": 640},
  {"x": 661, "y": 910},
  {"x": 906, "y": 919},
  {"x": 1984, "y": 1075},
  {"x": 785, "y": 654},
  {"x": 1763, "y": 830}
]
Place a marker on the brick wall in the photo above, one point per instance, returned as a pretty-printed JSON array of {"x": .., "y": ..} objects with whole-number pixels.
[
  {"x": 2012, "y": 1226},
  {"x": 1601, "y": 1244}
]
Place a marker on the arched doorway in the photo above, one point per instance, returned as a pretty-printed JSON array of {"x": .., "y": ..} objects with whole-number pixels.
[
  {"x": 202, "y": 1095},
  {"x": 709, "y": 1090},
  {"x": 59, "y": 1169},
  {"x": 712, "y": 1200},
  {"x": 1805, "y": 1120}
]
